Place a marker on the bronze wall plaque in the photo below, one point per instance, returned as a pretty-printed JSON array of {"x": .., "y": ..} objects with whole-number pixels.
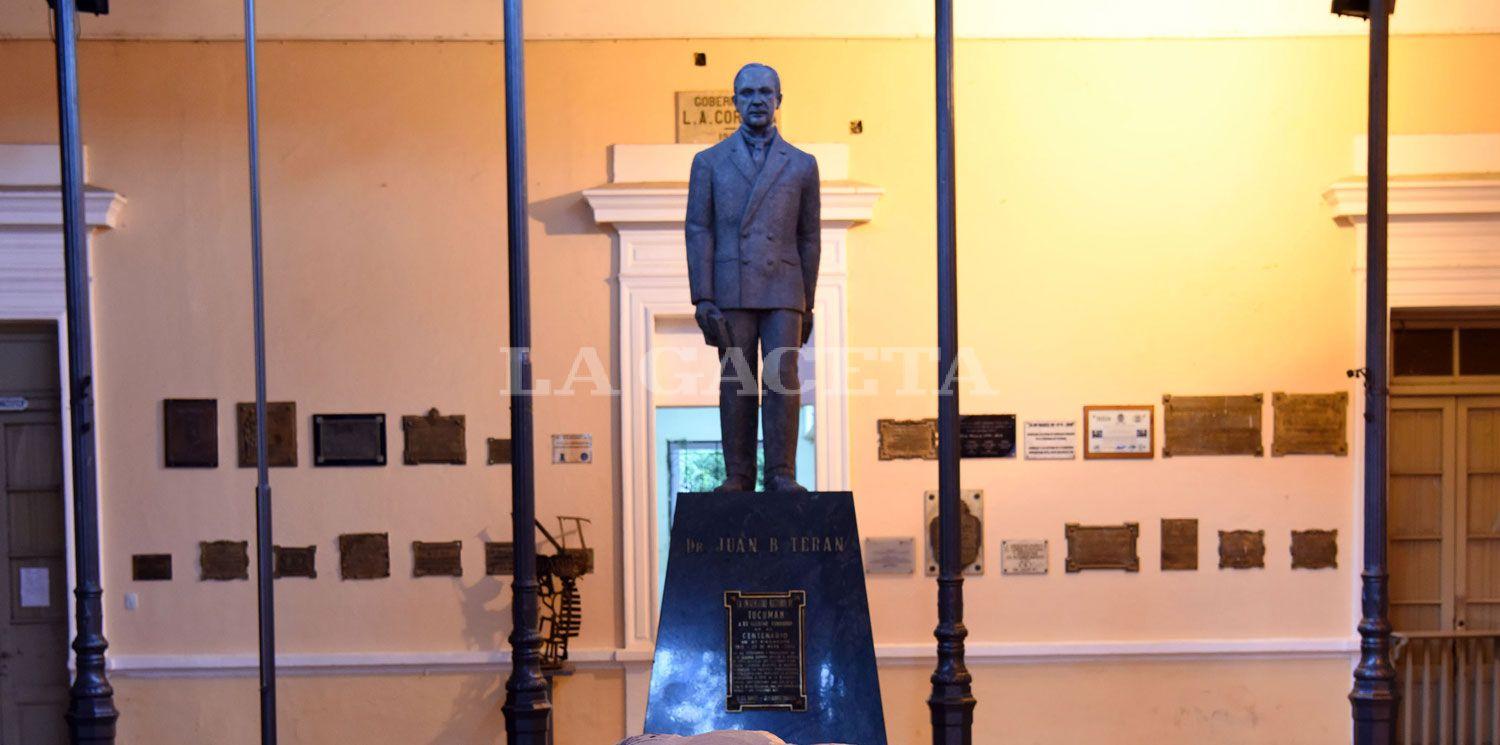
[
  {"x": 499, "y": 558},
  {"x": 1212, "y": 425},
  {"x": 767, "y": 667},
  {"x": 1179, "y": 544},
  {"x": 191, "y": 432},
  {"x": 1315, "y": 549},
  {"x": 499, "y": 451},
  {"x": 281, "y": 433},
  {"x": 151, "y": 567},
  {"x": 434, "y": 438},
  {"x": 223, "y": 560},
  {"x": 907, "y": 439},
  {"x": 1242, "y": 549},
  {"x": 441, "y": 559},
  {"x": 364, "y": 556},
  {"x": 1310, "y": 424},
  {"x": 1102, "y": 547},
  {"x": 348, "y": 439},
  {"x": 294, "y": 561},
  {"x": 971, "y": 531}
]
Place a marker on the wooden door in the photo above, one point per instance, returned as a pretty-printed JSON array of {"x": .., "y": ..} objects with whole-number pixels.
[
  {"x": 1478, "y": 509},
  {"x": 1420, "y": 502},
  {"x": 33, "y": 625}
]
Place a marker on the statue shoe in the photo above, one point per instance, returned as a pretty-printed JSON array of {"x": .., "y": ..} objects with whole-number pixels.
[
  {"x": 735, "y": 485},
  {"x": 783, "y": 484}
]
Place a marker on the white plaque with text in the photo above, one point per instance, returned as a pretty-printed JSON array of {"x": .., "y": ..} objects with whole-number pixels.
[
  {"x": 1053, "y": 439},
  {"x": 572, "y": 448},
  {"x": 890, "y": 556},
  {"x": 1025, "y": 556}
]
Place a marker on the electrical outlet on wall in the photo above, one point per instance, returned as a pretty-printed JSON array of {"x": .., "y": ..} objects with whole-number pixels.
[{"x": 132, "y": 601}]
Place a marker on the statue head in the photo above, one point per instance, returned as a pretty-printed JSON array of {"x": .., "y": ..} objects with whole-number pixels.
[{"x": 757, "y": 95}]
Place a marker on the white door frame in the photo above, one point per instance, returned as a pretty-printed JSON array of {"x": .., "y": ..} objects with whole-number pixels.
[{"x": 32, "y": 286}]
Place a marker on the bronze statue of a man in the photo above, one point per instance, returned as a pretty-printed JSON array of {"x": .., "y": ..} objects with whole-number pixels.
[{"x": 752, "y": 249}]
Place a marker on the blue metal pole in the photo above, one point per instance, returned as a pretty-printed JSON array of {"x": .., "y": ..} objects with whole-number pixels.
[
  {"x": 527, "y": 709},
  {"x": 1373, "y": 698},
  {"x": 265, "y": 589},
  {"x": 952, "y": 700},
  {"x": 91, "y": 711}
]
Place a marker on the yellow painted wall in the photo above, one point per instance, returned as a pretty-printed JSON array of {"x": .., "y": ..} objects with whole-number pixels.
[{"x": 1136, "y": 218}]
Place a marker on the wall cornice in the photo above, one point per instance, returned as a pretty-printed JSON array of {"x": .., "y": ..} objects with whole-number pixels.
[
  {"x": 1417, "y": 196},
  {"x": 40, "y": 208}
]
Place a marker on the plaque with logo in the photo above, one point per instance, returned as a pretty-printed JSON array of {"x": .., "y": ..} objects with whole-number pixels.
[
  {"x": 441, "y": 559},
  {"x": 987, "y": 436},
  {"x": 1119, "y": 432},
  {"x": 1212, "y": 425},
  {"x": 764, "y": 640},
  {"x": 294, "y": 561},
  {"x": 1102, "y": 547},
  {"x": 281, "y": 434}
]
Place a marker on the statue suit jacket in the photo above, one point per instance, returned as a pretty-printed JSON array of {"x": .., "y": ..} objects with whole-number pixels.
[{"x": 753, "y": 238}]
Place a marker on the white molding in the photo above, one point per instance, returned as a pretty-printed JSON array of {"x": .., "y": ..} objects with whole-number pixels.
[
  {"x": 1415, "y": 196},
  {"x": 983, "y": 653}
]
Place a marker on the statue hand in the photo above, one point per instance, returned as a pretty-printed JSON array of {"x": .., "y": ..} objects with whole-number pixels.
[{"x": 711, "y": 322}]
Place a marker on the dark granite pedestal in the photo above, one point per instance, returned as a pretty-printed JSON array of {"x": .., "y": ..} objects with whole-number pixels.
[{"x": 764, "y": 621}]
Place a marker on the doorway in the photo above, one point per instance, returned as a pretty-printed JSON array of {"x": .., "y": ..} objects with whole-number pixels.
[{"x": 33, "y": 612}]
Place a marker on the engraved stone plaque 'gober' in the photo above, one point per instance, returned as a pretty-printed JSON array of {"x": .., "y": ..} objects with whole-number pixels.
[
  {"x": 223, "y": 560},
  {"x": 1242, "y": 549},
  {"x": 434, "y": 438},
  {"x": 499, "y": 558},
  {"x": 1102, "y": 547},
  {"x": 442, "y": 559},
  {"x": 970, "y": 531},
  {"x": 364, "y": 556},
  {"x": 1310, "y": 424},
  {"x": 190, "y": 428},
  {"x": 1212, "y": 425},
  {"x": 151, "y": 567},
  {"x": 349, "y": 439},
  {"x": 1315, "y": 549},
  {"x": 1179, "y": 544},
  {"x": 987, "y": 436},
  {"x": 907, "y": 439},
  {"x": 761, "y": 588},
  {"x": 281, "y": 433},
  {"x": 294, "y": 561},
  {"x": 767, "y": 668}
]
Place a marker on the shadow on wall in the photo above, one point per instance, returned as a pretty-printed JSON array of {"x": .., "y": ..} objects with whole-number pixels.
[
  {"x": 566, "y": 214},
  {"x": 476, "y": 716}
]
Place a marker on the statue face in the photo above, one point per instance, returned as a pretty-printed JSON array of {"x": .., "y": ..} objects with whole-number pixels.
[{"x": 757, "y": 95}]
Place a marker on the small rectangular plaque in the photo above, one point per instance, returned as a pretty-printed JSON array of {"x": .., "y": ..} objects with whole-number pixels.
[
  {"x": 499, "y": 558},
  {"x": 1023, "y": 556},
  {"x": 281, "y": 433},
  {"x": 220, "y": 561},
  {"x": 890, "y": 556},
  {"x": 434, "y": 438},
  {"x": 1179, "y": 544},
  {"x": 1102, "y": 547},
  {"x": 1119, "y": 432},
  {"x": 499, "y": 451},
  {"x": 364, "y": 556},
  {"x": 35, "y": 587},
  {"x": 191, "y": 432},
  {"x": 1242, "y": 549},
  {"x": 907, "y": 439},
  {"x": 577, "y": 448},
  {"x": 1212, "y": 425},
  {"x": 151, "y": 567},
  {"x": 349, "y": 439},
  {"x": 764, "y": 639},
  {"x": 1315, "y": 549},
  {"x": 294, "y": 561},
  {"x": 987, "y": 436},
  {"x": 1052, "y": 440},
  {"x": 971, "y": 531},
  {"x": 1310, "y": 424},
  {"x": 442, "y": 559}
]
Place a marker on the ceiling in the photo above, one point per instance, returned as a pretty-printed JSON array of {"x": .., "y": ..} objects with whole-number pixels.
[{"x": 622, "y": 19}]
